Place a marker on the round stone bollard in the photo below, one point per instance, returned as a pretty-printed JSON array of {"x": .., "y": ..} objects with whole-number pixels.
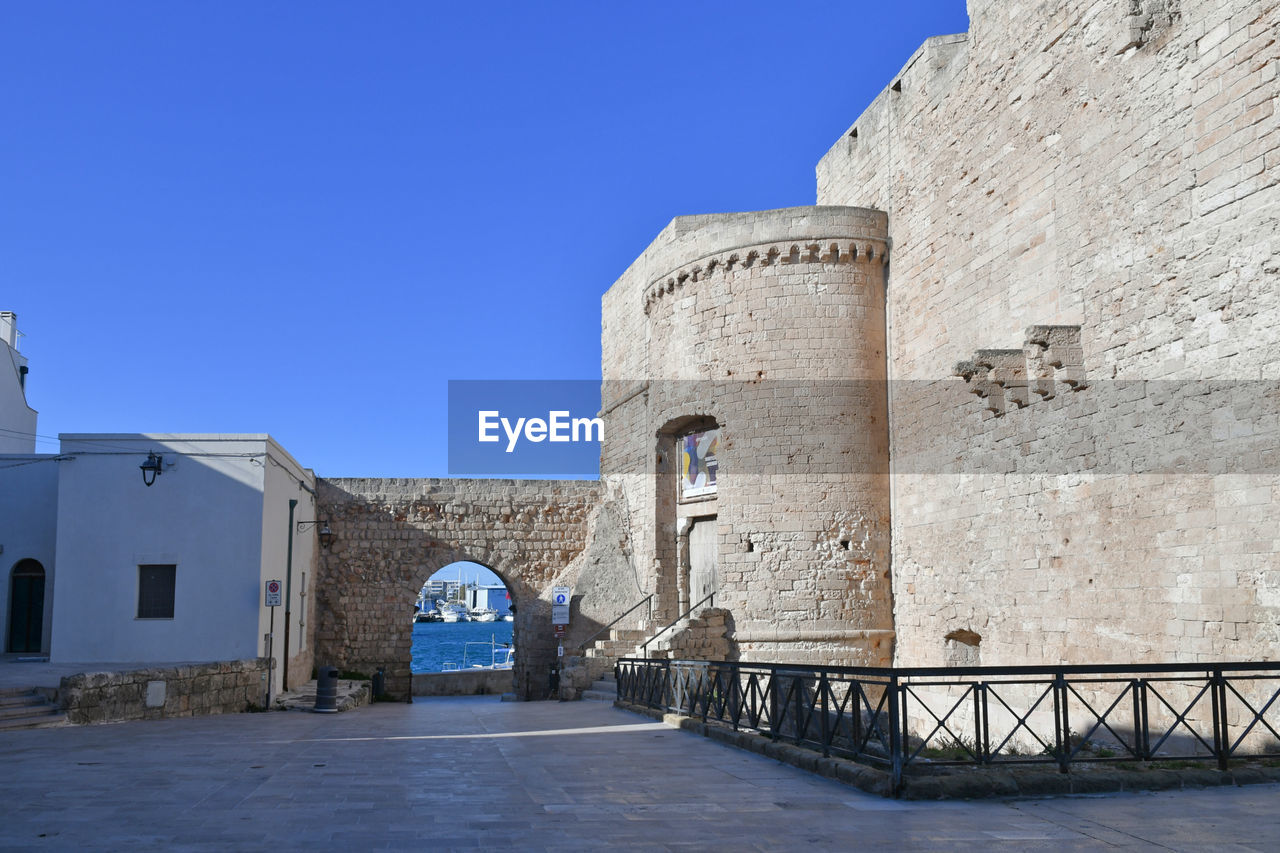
[{"x": 327, "y": 690}]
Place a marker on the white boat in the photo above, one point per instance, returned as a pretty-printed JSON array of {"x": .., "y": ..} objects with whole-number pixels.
[
  {"x": 508, "y": 617},
  {"x": 501, "y": 655},
  {"x": 484, "y": 614}
]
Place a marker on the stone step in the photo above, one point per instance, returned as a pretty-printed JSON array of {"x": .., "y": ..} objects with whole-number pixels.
[
  {"x": 600, "y": 695},
  {"x": 9, "y": 692},
  {"x": 42, "y": 718},
  {"x": 37, "y": 706},
  {"x": 629, "y": 635},
  {"x": 28, "y": 698}
]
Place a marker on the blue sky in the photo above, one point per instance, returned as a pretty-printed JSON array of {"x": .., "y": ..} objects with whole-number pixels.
[{"x": 304, "y": 219}]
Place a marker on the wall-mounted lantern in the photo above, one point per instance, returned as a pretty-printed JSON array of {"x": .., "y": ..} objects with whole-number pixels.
[
  {"x": 151, "y": 468},
  {"x": 325, "y": 535}
]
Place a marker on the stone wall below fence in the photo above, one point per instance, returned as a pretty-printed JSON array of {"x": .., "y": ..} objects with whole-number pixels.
[
  {"x": 225, "y": 687},
  {"x": 701, "y": 637},
  {"x": 477, "y": 682}
]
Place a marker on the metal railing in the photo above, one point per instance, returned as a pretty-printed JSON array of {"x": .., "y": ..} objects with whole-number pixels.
[
  {"x": 914, "y": 718},
  {"x": 627, "y": 613},
  {"x": 644, "y": 649}
]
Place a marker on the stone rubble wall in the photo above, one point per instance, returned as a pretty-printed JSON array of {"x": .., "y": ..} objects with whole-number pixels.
[
  {"x": 1110, "y": 166},
  {"x": 391, "y": 535},
  {"x": 702, "y": 637},
  {"x": 477, "y": 682},
  {"x": 191, "y": 690}
]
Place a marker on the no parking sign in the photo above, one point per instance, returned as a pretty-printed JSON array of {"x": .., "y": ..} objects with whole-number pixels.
[{"x": 273, "y": 593}]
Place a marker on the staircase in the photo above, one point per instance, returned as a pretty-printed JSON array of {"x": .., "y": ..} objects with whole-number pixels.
[
  {"x": 696, "y": 637},
  {"x": 603, "y": 689},
  {"x": 27, "y": 708},
  {"x": 621, "y": 643}
]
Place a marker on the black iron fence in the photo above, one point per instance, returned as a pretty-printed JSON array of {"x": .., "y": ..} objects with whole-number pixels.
[{"x": 909, "y": 718}]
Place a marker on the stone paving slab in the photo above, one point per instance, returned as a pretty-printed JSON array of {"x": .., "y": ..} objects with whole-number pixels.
[{"x": 468, "y": 773}]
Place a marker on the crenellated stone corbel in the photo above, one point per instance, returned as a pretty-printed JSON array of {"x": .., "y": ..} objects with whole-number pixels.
[
  {"x": 1062, "y": 351},
  {"x": 1006, "y": 378},
  {"x": 1008, "y": 370}
]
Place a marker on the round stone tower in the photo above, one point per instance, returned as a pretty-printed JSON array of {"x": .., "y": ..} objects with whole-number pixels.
[{"x": 745, "y": 408}]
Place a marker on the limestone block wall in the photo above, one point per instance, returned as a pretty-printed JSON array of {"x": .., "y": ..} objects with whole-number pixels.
[
  {"x": 227, "y": 687},
  {"x": 1106, "y": 165},
  {"x": 770, "y": 325},
  {"x": 701, "y": 637},
  {"x": 475, "y": 682},
  {"x": 390, "y": 535}
]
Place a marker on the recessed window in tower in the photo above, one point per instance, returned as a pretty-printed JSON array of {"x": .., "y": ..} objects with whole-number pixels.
[{"x": 698, "y": 465}]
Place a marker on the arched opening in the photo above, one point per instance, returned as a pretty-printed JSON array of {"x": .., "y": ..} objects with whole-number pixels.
[
  {"x": 463, "y": 620},
  {"x": 26, "y": 606},
  {"x": 686, "y": 513}
]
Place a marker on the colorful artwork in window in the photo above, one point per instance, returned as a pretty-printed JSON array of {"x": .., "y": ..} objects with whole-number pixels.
[{"x": 698, "y": 463}]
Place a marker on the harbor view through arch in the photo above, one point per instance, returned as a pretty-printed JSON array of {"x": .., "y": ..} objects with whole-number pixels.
[{"x": 463, "y": 620}]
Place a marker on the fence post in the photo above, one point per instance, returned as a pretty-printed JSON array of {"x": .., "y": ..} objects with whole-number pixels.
[
  {"x": 705, "y": 681},
  {"x": 824, "y": 688},
  {"x": 735, "y": 694},
  {"x": 666, "y": 685},
  {"x": 1062, "y": 723},
  {"x": 1141, "y": 734},
  {"x": 1221, "y": 735},
  {"x": 773, "y": 703},
  {"x": 796, "y": 689},
  {"x": 980, "y": 735},
  {"x": 897, "y": 727}
]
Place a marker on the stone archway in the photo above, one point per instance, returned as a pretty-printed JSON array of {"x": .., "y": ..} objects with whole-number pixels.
[
  {"x": 387, "y": 531},
  {"x": 685, "y": 527},
  {"x": 450, "y": 580}
]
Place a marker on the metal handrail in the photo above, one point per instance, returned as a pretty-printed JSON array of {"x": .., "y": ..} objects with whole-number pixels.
[
  {"x": 886, "y": 716},
  {"x": 629, "y": 611},
  {"x": 644, "y": 649}
]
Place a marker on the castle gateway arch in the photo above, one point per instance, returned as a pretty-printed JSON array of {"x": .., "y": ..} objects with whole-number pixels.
[{"x": 390, "y": 534}]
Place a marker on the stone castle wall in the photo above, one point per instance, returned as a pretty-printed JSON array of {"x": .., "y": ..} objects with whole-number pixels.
[
  {"x": 191, "y": 690},
  {"x": 391, "y": 535},
  {"x": 770, "y": 325},
  {"x": 1111, "y": 167},
  {"x": 1007, "y": 395}
]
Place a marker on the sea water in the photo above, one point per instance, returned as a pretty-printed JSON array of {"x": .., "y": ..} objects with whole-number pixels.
[{"x": 438, "y": 643}]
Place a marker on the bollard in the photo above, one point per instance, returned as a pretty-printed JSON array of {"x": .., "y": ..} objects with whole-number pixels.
[
  {"x": 327, "y": 690},
  {"x": 379, "y": 684}
]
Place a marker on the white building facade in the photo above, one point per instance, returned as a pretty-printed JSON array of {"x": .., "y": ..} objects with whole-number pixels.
[{"x": 108, "y": 563}]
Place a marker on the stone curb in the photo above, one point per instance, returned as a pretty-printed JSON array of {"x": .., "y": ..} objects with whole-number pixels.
[{"x": 968, "y": 783}]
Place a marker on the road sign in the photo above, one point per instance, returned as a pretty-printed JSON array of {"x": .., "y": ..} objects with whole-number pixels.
[
  {"x": 273, "y": 593},
  {"x": 560, "y": 630},
  {"x": 560, "y": 597}
]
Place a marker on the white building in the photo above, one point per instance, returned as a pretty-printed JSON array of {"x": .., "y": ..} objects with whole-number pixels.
[
  {"x": 17, "y": 419},
  {"x": 489, "y": 597},
  {"x": 109, "y": 563}
]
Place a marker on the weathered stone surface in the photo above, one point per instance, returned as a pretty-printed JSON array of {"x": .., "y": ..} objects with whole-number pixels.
[
  {"x": 1110, "y": 204},
  {"x": 483, "y": 682},
  {"x": 1082, "y": 204},
  {"x": 157, "y": 693},
  {"x": 390, "y": 535}
]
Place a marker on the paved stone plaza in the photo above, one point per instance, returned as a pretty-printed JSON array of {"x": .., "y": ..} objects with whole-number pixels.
[{"x": 474, "y": 772}]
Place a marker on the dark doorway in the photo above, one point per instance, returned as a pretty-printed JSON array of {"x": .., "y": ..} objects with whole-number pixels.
[{"x": 26, "y": 607}]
